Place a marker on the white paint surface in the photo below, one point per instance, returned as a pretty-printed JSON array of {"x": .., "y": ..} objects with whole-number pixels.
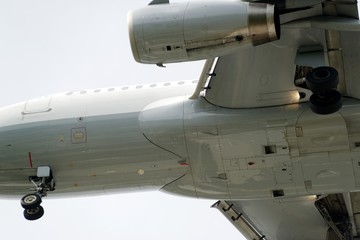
[{"x": 49, "y": 46}]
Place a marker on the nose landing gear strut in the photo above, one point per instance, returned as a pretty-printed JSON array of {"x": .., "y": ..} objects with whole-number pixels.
[{"x": 43, "y": 183}]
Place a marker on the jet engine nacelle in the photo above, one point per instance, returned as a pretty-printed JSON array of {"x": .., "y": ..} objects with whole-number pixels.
[{"x": 178, "y": 32}]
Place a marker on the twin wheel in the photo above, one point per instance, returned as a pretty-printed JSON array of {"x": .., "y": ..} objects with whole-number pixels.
[
  {"x": 31, "y": 204},
  {"x": 43, "y": 182},
  {"x": 322, "y": 81}
]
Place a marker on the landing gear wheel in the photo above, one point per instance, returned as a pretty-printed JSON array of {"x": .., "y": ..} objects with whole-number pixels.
[
  {"x": 322, "y": 79},
  {"x": 43, "y": 182},
  {"x": 34, "y": 213},
  {"x": 31, "y": 201},
  {"x": 326, "y": 103}
]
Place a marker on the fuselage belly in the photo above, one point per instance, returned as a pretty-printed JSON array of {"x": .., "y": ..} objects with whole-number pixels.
[{"x": 119, "y": 140}]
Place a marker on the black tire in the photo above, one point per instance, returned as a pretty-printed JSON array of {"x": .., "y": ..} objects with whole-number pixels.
[
  {"x": 34, "y": 213},
  {"x": 31, "y": 201},
  {"x": 328, "y": 103},
  {"x": 322, "y": 79}
]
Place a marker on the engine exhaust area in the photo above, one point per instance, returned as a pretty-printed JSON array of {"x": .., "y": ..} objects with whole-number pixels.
[{"x": 180, "y": 32}]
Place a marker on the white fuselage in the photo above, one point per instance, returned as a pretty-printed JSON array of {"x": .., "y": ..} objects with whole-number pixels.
[
  {"x": 92, "y": 141},
  {"x": 154, "y": 137}
]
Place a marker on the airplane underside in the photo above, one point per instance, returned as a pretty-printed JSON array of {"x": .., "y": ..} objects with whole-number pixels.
[
  {"x": 277, "y": 155},
  {"x": 271, "y": 131}
]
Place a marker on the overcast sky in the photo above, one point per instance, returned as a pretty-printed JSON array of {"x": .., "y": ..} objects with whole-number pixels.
[{"x": 49, "y": 46}]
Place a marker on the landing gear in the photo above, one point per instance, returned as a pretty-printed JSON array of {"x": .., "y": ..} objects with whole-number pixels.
[
  {"x": 322, "y": 81},
  {"x": 31, "y": 200},
  {"x": 43, "y": 183},
  {"x": 326, "y": 103},
  {"x": 34, "y": 213}
]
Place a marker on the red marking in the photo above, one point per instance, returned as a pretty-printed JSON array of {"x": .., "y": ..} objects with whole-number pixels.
[
  {"x": 184, "y": 164},
  {"x": 30, "y": 160}
]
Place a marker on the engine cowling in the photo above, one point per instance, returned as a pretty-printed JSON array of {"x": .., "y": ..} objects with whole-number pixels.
[{"x": 179, "y": 32}]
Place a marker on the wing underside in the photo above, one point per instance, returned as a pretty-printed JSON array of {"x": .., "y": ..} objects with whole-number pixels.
[
  {"x": 267, "y": 75},
  {"x": 274, "y": 219},
  {"x": 330, "y": 217},
  {"x": 325, "y": 34}
]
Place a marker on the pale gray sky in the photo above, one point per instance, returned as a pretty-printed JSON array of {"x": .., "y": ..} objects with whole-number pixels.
[{"x": 49, "y": 46}]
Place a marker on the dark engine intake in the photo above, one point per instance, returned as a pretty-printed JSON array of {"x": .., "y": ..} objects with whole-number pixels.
[{"x": 179, "y": 32}]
